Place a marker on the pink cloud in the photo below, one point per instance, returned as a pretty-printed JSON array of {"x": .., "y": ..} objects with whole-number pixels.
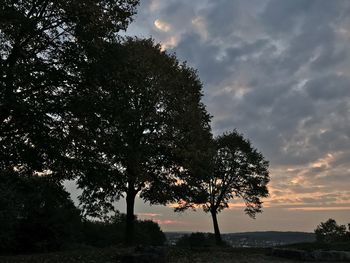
[
  {"x": 168, "y": 222},
  {"x": 156, "y": 218},
  {"x": 149, "y": 214},
  {"x": 319, "y": 208}
]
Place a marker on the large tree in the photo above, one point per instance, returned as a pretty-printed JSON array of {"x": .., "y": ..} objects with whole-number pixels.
[
  {"x": 145, "y": 128},
  {"x": 44, "y": 46},
  {"x": 236, "y": 170}
]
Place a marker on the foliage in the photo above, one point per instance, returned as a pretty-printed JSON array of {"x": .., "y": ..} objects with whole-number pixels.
[
  {"x": 196, "y": 240},
  {"x": 236, "y": 170},
  {"x": 330, "y": 231},
  {"x": 144, "y": 127},
  {"x": 108, "y": 233},
  {"x": 44, "y": 47},
  {"x": 36, "y": 215},
  {"x": 75, "y": 101},
  {"x": 148, "y": 232}
]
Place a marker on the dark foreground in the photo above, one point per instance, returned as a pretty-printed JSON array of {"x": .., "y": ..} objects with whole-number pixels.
[{"x": 175, "y": 255}]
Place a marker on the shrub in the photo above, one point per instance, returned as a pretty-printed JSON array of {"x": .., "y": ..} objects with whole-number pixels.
[
  {"x": 197, "y": 240},
  {"x": 111, "y": 232},
  {"x": 36, "y": 215}
]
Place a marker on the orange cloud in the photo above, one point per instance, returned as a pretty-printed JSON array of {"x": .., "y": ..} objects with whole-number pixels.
[
  {"x": 236, "y": 205},
  {"x": 334, "y": 208}
]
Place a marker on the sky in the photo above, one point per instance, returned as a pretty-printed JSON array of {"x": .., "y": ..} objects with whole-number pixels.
[{"x": 278, "y": 72}]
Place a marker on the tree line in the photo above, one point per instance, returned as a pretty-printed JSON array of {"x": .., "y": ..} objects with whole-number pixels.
[
  {"x": 37, "y": 215},
  {"x": 118, "y": 114}
]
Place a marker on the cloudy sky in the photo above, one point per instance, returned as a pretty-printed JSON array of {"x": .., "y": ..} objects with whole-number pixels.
[{"x": 279, "y": 72}]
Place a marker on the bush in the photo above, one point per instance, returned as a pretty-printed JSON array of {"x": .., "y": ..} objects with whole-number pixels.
[
  {"x": 111, "y": 232},
  {"x": 197, "y": 240},
  {"x": 37, "y": 215},
  {"x": 149, "y": 233}
]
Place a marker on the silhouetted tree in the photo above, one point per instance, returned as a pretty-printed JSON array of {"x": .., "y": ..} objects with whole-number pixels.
[
  {"x": 330, "y": 231},
  {"x": 36, "y": 215},
  {"x": 236, "y": 170},
  {"x": 144, "y": 129},
  {"x": 44, "y": 46}
]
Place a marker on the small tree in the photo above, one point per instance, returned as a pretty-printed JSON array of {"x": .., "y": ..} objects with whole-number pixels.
[
  {"x": 237, "y": 170},
  {"x": 330, "y": 231}
]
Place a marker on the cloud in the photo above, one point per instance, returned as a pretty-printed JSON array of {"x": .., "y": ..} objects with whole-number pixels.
[
  {"x": 169, "y": 222},
  {"x": 149, "y": 215},
  {"x": 161, "y": 219},
  {"x": 162, "y": 26},
  {"x": 278, "y": 71},
  {"x": 236, "y": 205},
  {"x": 320, "y": 208}
]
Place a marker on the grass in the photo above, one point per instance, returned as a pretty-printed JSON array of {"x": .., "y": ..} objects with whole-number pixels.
[
  {"x": 176, "y": 255},
  {"x": 223, "y": 255},
  {"x": 339, "y": 246},
  {"x": 86, "y": 255}
]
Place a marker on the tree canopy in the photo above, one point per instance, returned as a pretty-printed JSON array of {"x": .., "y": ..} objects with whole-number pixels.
[
  {"x": 76, "y": 101},
  {"x": 43, "y": 48},
  {"x": 236, "y": 170},
  {"x": 145, "y": 126}
]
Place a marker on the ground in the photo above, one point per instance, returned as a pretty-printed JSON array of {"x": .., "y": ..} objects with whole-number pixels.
[
  {"x": 111, "y": 255},
  {"x": 223, "y": 256}
]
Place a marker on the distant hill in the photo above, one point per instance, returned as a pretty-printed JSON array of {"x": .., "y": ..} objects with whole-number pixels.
[{"x": 255, "y": 239}]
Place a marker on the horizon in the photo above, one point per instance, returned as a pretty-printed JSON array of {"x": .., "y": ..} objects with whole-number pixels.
[{"x": 232, "y": 220}]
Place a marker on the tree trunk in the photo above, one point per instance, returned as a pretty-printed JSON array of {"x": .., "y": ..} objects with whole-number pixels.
[
  {"x": 130, "y": 218},
  {"x": 218, "y": 239}
]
